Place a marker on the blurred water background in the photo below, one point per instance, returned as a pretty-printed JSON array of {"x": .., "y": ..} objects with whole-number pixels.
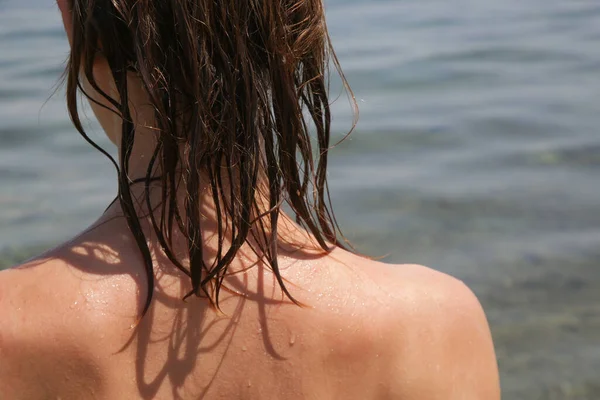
[{"x": 477, "y": 153}]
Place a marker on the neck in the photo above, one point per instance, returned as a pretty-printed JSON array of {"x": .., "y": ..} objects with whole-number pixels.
[
  {"x": 148, "y": 202},
  {"x": 146, "y": 207}
]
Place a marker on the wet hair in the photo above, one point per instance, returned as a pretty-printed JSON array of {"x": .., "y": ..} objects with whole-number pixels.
[{"x": 237, "y": 87}]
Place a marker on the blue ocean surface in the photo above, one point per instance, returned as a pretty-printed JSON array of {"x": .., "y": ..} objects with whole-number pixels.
[{"x": 477, "y": 153}]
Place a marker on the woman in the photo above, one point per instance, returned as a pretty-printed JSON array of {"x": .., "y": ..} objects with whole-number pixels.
[{"x": 195, "y": 283}]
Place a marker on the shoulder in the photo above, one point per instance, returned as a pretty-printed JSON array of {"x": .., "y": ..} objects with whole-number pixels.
[
  {"x": 405, "y": 331},
  {"x": 45, "y": 334},
  {"x": 436, "y": 335}
]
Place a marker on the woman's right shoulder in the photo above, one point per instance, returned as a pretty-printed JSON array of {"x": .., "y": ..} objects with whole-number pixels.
[
  {"x": 426, "y": 332},
  {"x": 434, "y": 334}
]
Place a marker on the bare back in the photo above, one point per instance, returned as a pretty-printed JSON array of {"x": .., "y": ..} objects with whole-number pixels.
[{"x": 367, "y": 330}]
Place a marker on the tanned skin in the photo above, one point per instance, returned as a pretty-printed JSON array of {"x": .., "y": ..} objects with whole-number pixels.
[{"x": 70, "y": 325}]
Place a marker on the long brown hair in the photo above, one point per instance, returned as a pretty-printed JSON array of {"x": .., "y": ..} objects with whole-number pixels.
[{"x": 236, "y": 85}]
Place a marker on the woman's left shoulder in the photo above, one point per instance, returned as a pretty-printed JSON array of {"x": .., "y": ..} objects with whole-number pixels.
[{"x": 39, "y": 348}]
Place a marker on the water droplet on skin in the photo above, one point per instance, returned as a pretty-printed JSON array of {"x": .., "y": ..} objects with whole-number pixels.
[
  {"x": 293, "y": 340},
  {"x": 249, "y": 384},
  {"x": 74, "y": 305}
]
